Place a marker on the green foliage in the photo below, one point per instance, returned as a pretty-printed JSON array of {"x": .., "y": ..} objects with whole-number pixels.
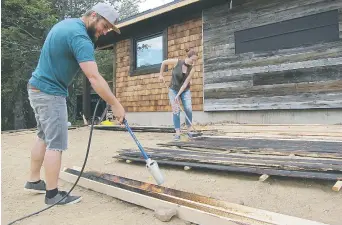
[{"x": 25, "y": 24}]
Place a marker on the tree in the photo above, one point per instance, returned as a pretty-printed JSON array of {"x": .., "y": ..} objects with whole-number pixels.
[{"x": 25, "y": 24}]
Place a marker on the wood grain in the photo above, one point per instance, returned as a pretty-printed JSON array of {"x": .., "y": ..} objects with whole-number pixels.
[{"x": 296, "y": 78}]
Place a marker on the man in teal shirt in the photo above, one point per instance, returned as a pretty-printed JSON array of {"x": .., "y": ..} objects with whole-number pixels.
[{"x": 68, "y": 48}]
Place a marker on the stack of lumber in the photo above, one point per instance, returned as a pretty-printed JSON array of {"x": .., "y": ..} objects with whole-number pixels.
[
  {"x": 136, "y": 128},
  {"x": 157, "y": 129},
  {"x": 290, "y": 158},
  {"x": 284, "y": 131}
]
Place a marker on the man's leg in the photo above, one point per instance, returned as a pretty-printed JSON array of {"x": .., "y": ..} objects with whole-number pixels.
[
  {"x": 54, "y": 123},
  {"x": 34, "y": 184},
  {"x": 52, "y": 165},
  {"x": 37, "y": 158}
]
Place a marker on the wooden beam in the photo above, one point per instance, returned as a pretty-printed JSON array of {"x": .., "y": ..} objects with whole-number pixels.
[
  {"x": 158, "y": 129},
  {"x": 337, "y": 186},
  {"x": 104, "y": 47},
  {"x": 183, "y": 212},
  {"x": 263, "y": 177},
  {"x": 114, "y": 69},
  {"x": 157, "y": 12},
  {"x": 86, "y": 98},
  {"x": 190, "y": 207}
]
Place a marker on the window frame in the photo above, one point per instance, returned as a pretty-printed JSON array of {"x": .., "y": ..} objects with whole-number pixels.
[{"x": 148, "y": 69}]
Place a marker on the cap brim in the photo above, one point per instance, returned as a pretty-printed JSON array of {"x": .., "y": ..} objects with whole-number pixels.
[{"x": 117, "y": 30}]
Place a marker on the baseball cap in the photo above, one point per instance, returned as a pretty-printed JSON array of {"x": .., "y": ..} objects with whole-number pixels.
[{"x": 107, "y": 12}]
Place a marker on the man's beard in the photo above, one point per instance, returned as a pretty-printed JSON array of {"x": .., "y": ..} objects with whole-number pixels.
[{"x": 91, "y": 30}]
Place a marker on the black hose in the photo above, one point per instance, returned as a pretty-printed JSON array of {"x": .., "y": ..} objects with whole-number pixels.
[{"x": 84, "y": 163}]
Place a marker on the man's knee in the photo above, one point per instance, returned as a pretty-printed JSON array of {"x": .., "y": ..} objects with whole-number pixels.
[{"x": 56, "y": 149}]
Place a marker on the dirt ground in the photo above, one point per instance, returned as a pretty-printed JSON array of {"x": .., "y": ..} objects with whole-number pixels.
[{"x": 312, "y": 200}]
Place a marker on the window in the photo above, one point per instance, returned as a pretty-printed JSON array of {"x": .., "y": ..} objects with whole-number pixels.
[
  {"x": 317, "y": 28},
  {"x": 148, "y": 54}
]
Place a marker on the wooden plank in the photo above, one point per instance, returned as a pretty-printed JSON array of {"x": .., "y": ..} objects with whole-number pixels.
[
  {"x": 223, "y": 56},
  {"x": 307, "y": 63},
  {"x": 300, "y": 129},
  {"x": 136, "y": 128},
  {"x": 263, "y": 177},
  {"x": 284, "y": 145},
  {"x": 156, "y": 12},
  {"x": 266, "y": 8},
  {"x": 270, "y": 90},
  {"x": 285, "y": 136},
  {"x": 207, "y": 157},
  {"x": 191, "y": 207},
  {"x": 301, "y": 101},
  {"x": 331, "y": 73},
  {"x": 251, "y": 170},
  {"x": 285, "y": 66},
  {"x": 234, "y": 85},
  {"x": 183, "y": 212},
  {"x": 240, "y": 156},
  {"x": 258, "y": 146},
  {"x": 114, "y": 69},
  {"x": 246, "y": 163},
  {"x": 229, "y": 22},
  {"x": 245, "y": 156},
  {"x": 337, "y": 186}
]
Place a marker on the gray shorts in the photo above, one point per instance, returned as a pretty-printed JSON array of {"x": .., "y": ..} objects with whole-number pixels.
[{"x": 52, "y": 118}]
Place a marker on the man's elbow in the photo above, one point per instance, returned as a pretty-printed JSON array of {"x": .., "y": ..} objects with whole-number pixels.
[{"x": 89, "y": 69}]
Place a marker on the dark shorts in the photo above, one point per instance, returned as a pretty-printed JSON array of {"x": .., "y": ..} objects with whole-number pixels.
[{"x": 52, "y": 119}]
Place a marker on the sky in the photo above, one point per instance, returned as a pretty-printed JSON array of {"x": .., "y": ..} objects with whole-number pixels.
[{"x": 150, "y": 4}]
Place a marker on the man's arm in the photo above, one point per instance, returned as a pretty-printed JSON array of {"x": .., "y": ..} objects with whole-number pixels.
[
  {"x": 83, "y": 50},
  {"x": 101, "y": 87}
]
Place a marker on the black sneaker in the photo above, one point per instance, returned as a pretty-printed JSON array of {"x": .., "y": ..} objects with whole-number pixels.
[
  {"x": 35, "y": 188},
  {"x": 66, "y": 201}
]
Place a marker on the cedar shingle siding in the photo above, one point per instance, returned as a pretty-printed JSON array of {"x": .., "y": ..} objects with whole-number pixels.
[{"x": 144, "y": 93}]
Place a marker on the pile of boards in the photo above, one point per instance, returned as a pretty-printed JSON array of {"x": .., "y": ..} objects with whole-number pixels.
[
  {"x": 290, "y": 158},
  {"x": 152, "y": 129}
]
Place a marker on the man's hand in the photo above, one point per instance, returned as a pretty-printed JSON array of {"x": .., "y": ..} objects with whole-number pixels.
[{"x": 119, "y": 112}]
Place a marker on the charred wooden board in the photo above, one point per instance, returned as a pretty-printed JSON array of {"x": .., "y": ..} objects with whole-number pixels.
[
  {"x": 273, "y": 162},
  {"x": 191, "y": 207},
  {"x": 240, "y": 160},
  {"x": 251, "y": 170},
  {"x": 137, "y": 128},
  {"x": 263, "y": 145}
]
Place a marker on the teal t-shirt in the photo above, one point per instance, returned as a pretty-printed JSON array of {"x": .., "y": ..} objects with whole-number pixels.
[{"x": 66, "y": 45}]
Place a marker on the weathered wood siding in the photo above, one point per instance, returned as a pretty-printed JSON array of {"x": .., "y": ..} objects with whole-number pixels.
[
  {"x": 145, "y": 93},
  {"x": 295, "y": 78}
]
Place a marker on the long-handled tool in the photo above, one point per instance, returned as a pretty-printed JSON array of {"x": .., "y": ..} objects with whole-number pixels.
[
  {"x": 197, "y": 133},
  {"x": 151, "y": 165}
]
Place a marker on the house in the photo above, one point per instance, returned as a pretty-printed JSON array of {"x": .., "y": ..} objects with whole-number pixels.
[{"x": 261, "y": 61}]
